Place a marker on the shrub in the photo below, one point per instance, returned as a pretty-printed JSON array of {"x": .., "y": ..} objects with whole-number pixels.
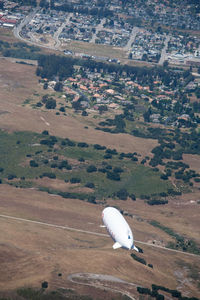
[
  {"x": 134, "y": 158},
  {"x": 89, "y": 185},
  {"x": 112, "y": 151},
  {"x": 91, "y": 199},
  {"x": 108, "y": 167},
  {"x": 122, "y": 194},
  {"x": 58, "y": 86},
  {"x": 140, "y": 250},
  {"x": 132, "y": 196},
  {"x": 118, "y": 170},
  {"x": 91, "y": 169},
  {"x": 39, "y": 104},
  {"x": 157, "y": 202},
  {"x": 164, "y": 176},
  {"x": 81, "y": 159},
  {"x": 33, "y": 164},
  {"x": 102, "y": 170},
  {"x": 50, "y": 104},
  {"x": 160, "y": 297},
  {"x": 1, "y": 170},
  {"x": 99, "y": 147},
  {"x": 11, "y": 176},
  {"x": 62, "y": 109},
  {"x": 75, "y": 180},
  {"x": 84, "y": 113},
  {"x": 107, "y": 156},
  {"x": 63, "y": 164},
  {"x": 197, "y": 179},
  {"x": 139, "y": 259},
  {"x": 49, "y": 175},
  {"x": 144, "y": 291},
  {"x": 82, "y": 145},
  {"x": 63, "y": 143},
  {"x": 70, "y": 143},
  {"x": 175, "y": 293},
  {"x": 155, "y": 169},
  {"x": 54, "y": 165},
  {"x": 163, "y": 194},
  {"x": 113, "y": 176},
  {"x": 44, "y": 285},
  {"x": 45, "y": 161}
]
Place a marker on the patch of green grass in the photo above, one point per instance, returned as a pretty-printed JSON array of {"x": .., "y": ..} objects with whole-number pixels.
[
  {"x": 19, "y": 148},
  {"x": 86, "y": 153}
]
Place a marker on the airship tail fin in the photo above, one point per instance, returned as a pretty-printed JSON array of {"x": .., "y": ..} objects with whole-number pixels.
[
  {"x": 135, "y": 248},
  {"x": 117, "y": 245}
]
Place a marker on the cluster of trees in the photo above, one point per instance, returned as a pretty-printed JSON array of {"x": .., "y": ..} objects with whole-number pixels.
[
  {"x": 139, "y": 259},
  {"x": 157, "y": 202},
  {"x": 173, "y": 147},
  {"x": 100, "y": 12},
  {"x": 154, "y": 292},
  {"x": 123, "y": 194},
  {"x": 189, "y": 141},
  {"x": 19, "y": 50},
  {"x": 119, "y": 120},
  {"x": 186, "y": 175},
  {"x": 48, "y": 174},
  {"x": 52, "y": 65},
  {"x": 49, "y": 102}
]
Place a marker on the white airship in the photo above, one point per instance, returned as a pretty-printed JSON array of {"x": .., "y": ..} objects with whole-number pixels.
[{"x": 118, "y": 229}]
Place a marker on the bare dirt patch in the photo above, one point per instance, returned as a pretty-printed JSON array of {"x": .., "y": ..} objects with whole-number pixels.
[{"x": 193, "y": 161}]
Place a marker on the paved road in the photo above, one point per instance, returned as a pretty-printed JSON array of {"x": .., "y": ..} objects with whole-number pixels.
[
  {"x": 58, "y": 32},
  {"x": 25, "y": 21},
  {"x": 98, "y": 28},
  {"x": 89, "y": 232},
  {"x": 163, "y": 56},
  {"x": 132, "y": 38},
  {"x": 18, "y": 29}
]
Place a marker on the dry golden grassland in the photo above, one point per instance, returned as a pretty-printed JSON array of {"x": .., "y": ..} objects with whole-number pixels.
[{"x": 33, "y": 253}]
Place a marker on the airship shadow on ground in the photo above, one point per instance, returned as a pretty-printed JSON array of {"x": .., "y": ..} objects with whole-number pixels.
[{"x": 118, "y": 229}]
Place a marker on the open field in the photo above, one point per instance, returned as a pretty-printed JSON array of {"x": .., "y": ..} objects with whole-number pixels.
[
  {"x": 40, "y": 252},
  {"x": 95, "y": 49},
  {"x": 25, "y": 158}
]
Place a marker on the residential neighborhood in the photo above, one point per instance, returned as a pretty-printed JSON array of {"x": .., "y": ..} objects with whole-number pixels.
[{"x": 119, "y": 27}]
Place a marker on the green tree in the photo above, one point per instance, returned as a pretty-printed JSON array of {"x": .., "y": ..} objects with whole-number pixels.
[
  {"x": 58, "y": 86},
  {"x": 50, "y": 103}
]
